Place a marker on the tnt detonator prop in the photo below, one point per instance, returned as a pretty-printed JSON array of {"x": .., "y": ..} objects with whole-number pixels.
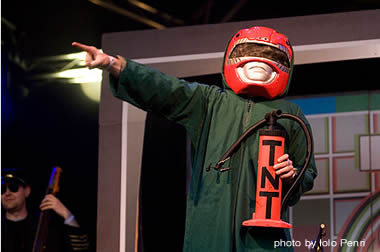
[
  {"x": 269, "y": 201},
  {"x": 269, "y": 185}
]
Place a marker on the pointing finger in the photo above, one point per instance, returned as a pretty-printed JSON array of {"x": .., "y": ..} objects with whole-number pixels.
[{"x": 83, "y": 47}]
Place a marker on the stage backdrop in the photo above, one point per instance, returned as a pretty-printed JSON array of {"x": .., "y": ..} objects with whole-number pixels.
[
  {"x": 143, "y": 159},
  {"x": 346, "y": 194}
]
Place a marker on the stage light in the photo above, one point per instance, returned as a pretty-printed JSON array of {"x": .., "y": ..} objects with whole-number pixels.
[
  {"x": 73, "y": 72},
  {"x": 92, "y": 91},
  {"x": 89, "y": 79},
  {"x": 81, "y": 75},
  {"x": 73, "y": 56}
]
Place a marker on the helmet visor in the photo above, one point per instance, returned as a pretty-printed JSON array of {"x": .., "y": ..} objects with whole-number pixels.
[{"x": 262, "y": 51}]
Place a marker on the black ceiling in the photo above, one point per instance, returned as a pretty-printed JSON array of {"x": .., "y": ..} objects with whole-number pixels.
[{"x": 44, "y": 28}]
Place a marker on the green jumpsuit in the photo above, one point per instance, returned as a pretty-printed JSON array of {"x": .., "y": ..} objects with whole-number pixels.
[{"x": 218, "y": 202}]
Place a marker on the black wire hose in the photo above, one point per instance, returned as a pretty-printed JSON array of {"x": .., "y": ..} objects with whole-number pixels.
[{"x": 271, "y": 119}]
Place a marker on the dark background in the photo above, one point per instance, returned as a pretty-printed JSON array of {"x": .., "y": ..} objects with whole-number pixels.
[{"x": 48, "y": 123}]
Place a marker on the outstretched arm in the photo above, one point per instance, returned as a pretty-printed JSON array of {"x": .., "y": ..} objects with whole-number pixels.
[
  {"x": 97, "y": 59},
  {"x": 152, "y": 90}
]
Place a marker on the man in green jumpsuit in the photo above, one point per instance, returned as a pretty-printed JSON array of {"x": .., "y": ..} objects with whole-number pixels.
[{"x": 256, "y": 73}]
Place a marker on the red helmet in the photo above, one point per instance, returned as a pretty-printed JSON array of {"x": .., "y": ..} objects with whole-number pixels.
[{"x": 259, "y": 44}]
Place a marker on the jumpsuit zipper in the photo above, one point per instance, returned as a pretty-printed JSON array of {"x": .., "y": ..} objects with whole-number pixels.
[{"x": 246, "y": 120}]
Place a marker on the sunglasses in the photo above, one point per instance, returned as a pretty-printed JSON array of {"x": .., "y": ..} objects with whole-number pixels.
[{"x": 13, "y": 186}]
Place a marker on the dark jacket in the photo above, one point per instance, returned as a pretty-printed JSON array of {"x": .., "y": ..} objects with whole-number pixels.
[{"x": 18, "y": 236}]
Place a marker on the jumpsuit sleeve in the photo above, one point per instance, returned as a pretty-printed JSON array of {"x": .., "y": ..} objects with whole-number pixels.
[{"x": 154, "y": 91}]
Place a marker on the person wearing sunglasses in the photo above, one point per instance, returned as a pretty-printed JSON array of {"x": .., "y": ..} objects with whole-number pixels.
[{"x": 19, "y": 226}]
